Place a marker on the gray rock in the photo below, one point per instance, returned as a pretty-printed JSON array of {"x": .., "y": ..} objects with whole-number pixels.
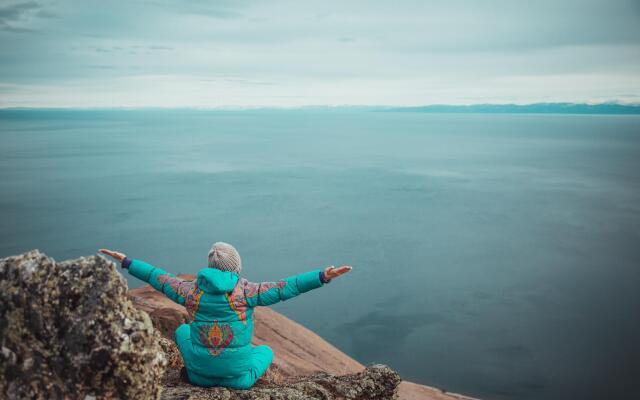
[
  {"x": 376, "y": 382},
  {"x": 67, "y": 330}
]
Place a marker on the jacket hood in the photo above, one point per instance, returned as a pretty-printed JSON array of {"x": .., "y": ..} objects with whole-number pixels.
[{"x": 212, "y": 280}]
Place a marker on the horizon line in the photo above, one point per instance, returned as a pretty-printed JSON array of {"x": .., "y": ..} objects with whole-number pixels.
[{"x": 538, "y": 107}]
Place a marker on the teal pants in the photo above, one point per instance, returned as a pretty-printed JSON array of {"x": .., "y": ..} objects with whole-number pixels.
[{"x": 260, "y": 361}]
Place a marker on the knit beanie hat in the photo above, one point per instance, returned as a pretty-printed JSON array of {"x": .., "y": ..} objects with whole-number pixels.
[{"x": 224, "y": 257}]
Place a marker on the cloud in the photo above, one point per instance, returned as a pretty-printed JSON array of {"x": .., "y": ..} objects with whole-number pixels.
[
  {"x": 218, "y": 9},
  {"x": 14, "y": 13},
  {"x": 322, "y": 52},
  {"x": 156, "y": 47}
]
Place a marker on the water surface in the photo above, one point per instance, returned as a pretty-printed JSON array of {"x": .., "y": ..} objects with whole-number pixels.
[{"x": 494, "y": 255}]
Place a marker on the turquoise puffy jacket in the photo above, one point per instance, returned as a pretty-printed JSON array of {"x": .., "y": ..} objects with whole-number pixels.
[{"x": 216, "y": 344}]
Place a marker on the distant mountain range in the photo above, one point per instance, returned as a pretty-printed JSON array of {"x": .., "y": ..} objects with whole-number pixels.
[{"x": 537, "y": 108}]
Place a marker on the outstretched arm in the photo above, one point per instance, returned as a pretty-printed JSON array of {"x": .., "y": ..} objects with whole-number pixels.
[
  {"x": 268, "y": 293},
  {"x": 173, "y": 287}
]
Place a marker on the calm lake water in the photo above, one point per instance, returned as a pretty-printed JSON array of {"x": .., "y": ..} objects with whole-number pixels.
[{"x": 494, "y": 255}]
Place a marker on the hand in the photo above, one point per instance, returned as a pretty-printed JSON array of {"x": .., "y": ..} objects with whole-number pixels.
[
  {"x": 115, "y": 254},
  {"x": 333, "y": 272}
]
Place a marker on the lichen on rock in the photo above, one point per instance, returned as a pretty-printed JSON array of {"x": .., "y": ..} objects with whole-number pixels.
[
  {"x": 67, "y": 330},
  {"x": 376, "y": 382}
]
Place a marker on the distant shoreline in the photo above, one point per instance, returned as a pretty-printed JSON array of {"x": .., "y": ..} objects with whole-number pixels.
[{"x": 534, "y": 108}]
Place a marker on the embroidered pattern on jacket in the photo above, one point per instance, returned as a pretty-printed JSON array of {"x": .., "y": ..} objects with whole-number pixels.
[
  {"x": 180, "y": 286},
  {"x": 192, "y": 300},
  {"x": 216, "y": 337},
  {"x": 187, "y": 289},
  {"x": 244, "y": 289},
  {"x": 253, "y": 289},
  {"x": 238, "y": 303}
]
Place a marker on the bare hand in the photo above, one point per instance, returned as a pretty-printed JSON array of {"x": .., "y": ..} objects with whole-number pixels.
[
  {"x": 333, "y": 272},
  {"x": 115, "y": 254}
]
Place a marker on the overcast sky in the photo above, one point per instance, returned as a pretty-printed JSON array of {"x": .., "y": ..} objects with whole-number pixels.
[{"x": 160, "y": 53}]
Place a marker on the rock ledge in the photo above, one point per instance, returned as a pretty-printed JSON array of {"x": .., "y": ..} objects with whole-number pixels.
[{"x": 376, "y": 382}]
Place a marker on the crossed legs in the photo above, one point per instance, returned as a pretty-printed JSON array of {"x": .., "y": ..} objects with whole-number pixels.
[{"x": 261, "y": 357}]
